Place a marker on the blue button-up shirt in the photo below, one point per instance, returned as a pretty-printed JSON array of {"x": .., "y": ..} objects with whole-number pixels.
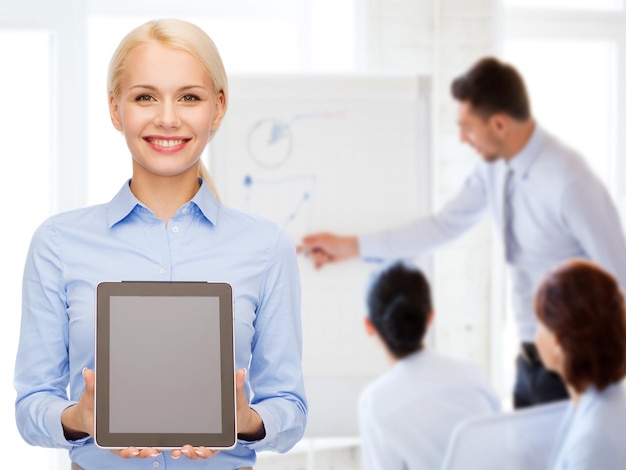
[
  {"x": 72, "y": 252},
  {"x": 561, "y": 210}
]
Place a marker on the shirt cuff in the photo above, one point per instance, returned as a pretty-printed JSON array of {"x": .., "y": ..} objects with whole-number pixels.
[
  {"x": 271, "y": 429},
  {"x": 55, "y": 427},
  {"x": 370, "y": 247}
]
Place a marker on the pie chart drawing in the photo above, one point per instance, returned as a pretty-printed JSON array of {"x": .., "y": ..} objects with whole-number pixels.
[{"x": 270, "y": 142}]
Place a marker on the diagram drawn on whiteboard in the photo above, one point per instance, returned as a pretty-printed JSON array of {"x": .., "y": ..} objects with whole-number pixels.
[
  {"x": 279, "y": 194},
  {"x": 292, "y": 196},
  {"x": 270, "y": 140}
]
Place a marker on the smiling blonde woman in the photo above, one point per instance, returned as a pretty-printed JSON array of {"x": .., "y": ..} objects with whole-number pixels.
[{"x": 168, "y": 95}]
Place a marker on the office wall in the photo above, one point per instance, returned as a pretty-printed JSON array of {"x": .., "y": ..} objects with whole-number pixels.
[{"x": 441, "y": 39}]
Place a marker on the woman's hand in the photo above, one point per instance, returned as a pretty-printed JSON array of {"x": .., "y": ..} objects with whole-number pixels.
[
  {"x": 78, "y": 420},
  {"x": 249, "y": 424},
  {"x": 192, "y": 453}
]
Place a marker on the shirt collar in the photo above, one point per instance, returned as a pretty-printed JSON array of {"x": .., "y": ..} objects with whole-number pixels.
[
  {"x": 206, "y": 201},
  {"x": 588, "y": 398},
  {"x": 522, "y": 162},
  {"x": 418, "y": 355},
  {"x": 125, "y": 202}
]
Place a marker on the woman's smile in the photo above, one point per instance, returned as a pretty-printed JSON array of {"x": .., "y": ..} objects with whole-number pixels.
[{"x": 166, "y": 144}]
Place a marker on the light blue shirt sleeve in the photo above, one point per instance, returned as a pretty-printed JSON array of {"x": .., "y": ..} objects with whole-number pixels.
[
  {"x": 595, "y": 222},
  {"x": 42, "y": 368},
  {"x": 276, "y": 345},
  {"x": 418, "y": 238}
]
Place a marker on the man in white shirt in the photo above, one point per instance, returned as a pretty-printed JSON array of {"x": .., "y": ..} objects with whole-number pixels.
[{"x": 546, "y": 202}]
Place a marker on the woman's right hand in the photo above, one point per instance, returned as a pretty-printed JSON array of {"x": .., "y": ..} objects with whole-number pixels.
[
  {"x": 78, "y": 419},
  {"x": 78, "y": 423}
]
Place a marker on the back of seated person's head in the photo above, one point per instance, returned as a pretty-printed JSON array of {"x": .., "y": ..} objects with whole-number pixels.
[
  {"x": 581, "y": 304},
  {"x": 399, "y": 307}
]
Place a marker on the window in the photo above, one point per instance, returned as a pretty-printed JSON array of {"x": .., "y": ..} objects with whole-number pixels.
[
  {"x": 567, "y": 4},
  {"x": 573, "y": 101}
]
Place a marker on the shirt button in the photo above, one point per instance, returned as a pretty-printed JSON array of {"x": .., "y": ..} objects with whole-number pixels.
[
  {"x": 185, "y": 210},
  {"x": 156, "y": 464},
  {"x": 162, "y": 270},
  {"x": 175, "y": 229}
]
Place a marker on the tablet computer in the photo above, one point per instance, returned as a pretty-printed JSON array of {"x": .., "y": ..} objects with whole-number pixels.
[{"x": 164, "y": 363}]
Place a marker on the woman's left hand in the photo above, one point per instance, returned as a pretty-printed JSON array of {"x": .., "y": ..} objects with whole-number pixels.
[{"x": 249, "y": 424}]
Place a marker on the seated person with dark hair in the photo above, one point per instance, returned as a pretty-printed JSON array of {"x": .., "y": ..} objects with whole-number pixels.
[
  {"x": 582, "y": 337},
  {"x": 407, "y": 415}
]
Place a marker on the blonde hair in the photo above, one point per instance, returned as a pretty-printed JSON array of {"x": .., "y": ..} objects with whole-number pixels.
[{"x": 176, "y": 34}]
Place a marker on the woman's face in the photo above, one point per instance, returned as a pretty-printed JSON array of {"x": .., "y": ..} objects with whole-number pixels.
[
  {"x": 549, "y": 349},
  {"x": 166, "y": 109}
]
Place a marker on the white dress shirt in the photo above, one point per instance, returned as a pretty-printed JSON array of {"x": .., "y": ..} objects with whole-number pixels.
[
  {"x": 407, "y": 415},
  {"x": 591, "y": 435},
  {"x": 561, "y": 210}
]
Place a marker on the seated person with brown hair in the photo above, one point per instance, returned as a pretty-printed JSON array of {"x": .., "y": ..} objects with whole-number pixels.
[{"x": 582, "y": 337}]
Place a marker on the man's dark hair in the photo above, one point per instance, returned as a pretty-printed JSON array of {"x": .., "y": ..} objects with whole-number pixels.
[{"x": 490, "y": 87}]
